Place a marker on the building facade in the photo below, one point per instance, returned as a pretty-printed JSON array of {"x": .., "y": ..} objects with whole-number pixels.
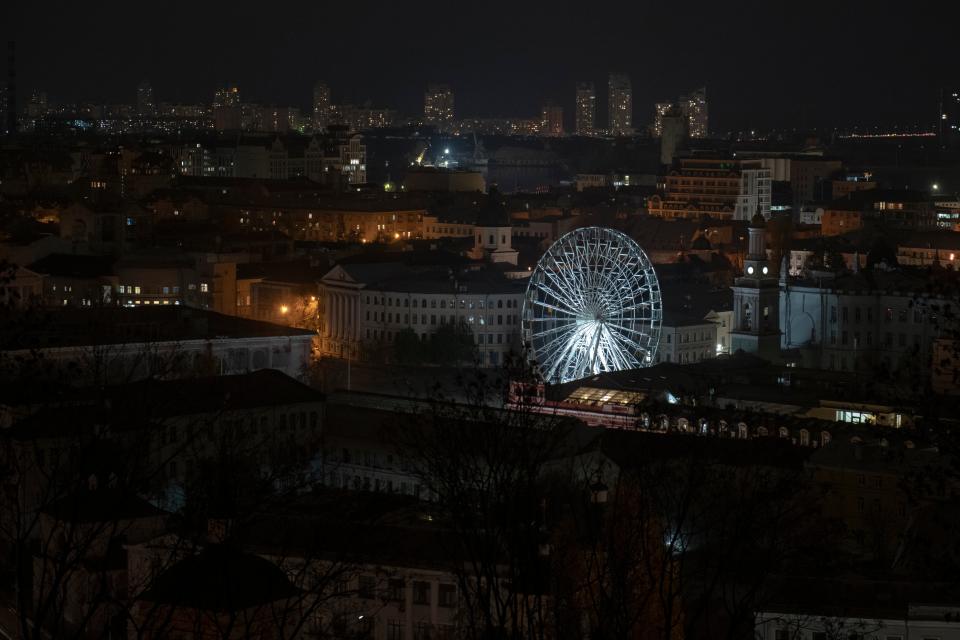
[
  {"x": 364, "y": 306},
  {"x": 854, "y": 323},
  {"x": 551, "y": 120},
  {"x": 620, "y": 105},
  {"x": 438, "y": 106},
  {"x": 321, "y": 105},
  {"x": 721, "y": 188},
  {"x": 586, "y": 113}
]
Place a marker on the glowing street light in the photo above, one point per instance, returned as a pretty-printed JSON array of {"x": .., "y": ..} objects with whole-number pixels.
[{"x": 284, "y": 309}]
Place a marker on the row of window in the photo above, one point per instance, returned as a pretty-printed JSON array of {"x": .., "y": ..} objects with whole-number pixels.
[
  {"x": 685, "y": 357},
  {"x": 172, "y": 290},
  {"x": 481, "y": 338},
  {"x": 395, "y": 591},
  {"x": 888, "y": 342},
  {"x": 889, "y": 314},
  {"x": 690, "y": 336},
  {"x": 389, "y": 317},
  {"x": 509, "y": 303}
]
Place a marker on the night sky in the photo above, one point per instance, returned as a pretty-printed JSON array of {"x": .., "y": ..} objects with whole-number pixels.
[{"x": 766, "y": 64}]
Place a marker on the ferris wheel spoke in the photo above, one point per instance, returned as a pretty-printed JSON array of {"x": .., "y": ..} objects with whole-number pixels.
[
  {"x": 562, "y": 355},
  {"x": 562, "y": 330},
  {"x": 547, "y": 305},
  {"x": 562, "y": 339},
  {"x": 567, "y": 286},
  {"x": 592, "y": 271},
  {"x": 628, "y": 342}
]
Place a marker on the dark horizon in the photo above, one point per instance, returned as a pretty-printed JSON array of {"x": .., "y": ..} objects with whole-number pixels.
[{"x": 766, "y": 66}]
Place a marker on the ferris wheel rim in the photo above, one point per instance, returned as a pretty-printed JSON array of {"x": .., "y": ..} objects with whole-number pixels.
[{"x": 592, "y": 305}]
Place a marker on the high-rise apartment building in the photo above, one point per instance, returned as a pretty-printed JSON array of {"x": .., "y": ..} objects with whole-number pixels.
[
  {"x": 551, "y": 120},
  {"x": 620, "y": 106},
  {"x": 321, "y": 105},
  {"x": 145, "y": 104},
  {"x": 694, "y": 109},
  {"x": 586, "y": 114},
  {"x": 950, "y": 117},
  {"x": 227, "y": 96},
  {"x": 438, "y": 105},
  {"x": 660, "y": 109}
]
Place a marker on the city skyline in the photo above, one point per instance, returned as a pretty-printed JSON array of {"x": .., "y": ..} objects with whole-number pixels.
[{"x": 759, "y": 72}]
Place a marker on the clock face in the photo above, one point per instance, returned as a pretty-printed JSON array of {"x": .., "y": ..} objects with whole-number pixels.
[
  {"x": 765, "y": 270},
  {"x": 750, "y": 270}
]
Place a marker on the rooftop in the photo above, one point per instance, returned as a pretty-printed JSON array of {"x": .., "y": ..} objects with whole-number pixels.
[{"x": 75, "y": 327}]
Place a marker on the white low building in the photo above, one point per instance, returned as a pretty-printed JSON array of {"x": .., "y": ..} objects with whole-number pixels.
[
  {"x": 858, "y": 322},
  {"x": 364, "y": 306}
]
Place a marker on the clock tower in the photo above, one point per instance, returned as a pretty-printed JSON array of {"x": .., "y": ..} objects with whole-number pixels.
[{"x": 756, "y": 299}]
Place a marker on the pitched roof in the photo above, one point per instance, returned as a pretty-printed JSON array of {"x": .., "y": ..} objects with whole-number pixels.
[{"x": 221, "y": 578}]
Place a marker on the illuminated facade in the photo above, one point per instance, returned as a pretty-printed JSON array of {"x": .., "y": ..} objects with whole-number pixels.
[
  {"x": 697, "y": 115},
  {"x": 620, "y": 121},
  {"x": 145, "y": 104},
  {"x": 756, "y": 299},
  {"x": 660, "y": 110},
  {"x": 586, "y": 114},
  {"x": 724, "y": 189},
  {"x": 321, "y": 105},
  {"x": 551, "y": 120},
  {"x": 694, "y": 109},
  {"x": 592, "y": 305},
  {"x": 438, "y": 105},
  {"x": 228, "y": 96}
]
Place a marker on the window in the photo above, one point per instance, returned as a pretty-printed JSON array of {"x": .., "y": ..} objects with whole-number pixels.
[
  {"x": 421, "y": 592},
  {"x": 204, "y": 287},
  {"x": 447, "y": 596},
  {"x": 395, "y": 630},
  {"x": 367, "y": 588},
  {"x": 395, "y": 589}
]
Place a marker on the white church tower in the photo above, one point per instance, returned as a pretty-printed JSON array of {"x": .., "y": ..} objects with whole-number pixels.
[{"x": 492, "y": 239}]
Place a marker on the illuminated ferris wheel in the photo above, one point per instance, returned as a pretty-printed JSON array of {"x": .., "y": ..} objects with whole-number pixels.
[{"x": 592, "y": 305}]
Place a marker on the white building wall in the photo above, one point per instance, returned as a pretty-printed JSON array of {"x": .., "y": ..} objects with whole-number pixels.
[{"x": 687, "y": 343}]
